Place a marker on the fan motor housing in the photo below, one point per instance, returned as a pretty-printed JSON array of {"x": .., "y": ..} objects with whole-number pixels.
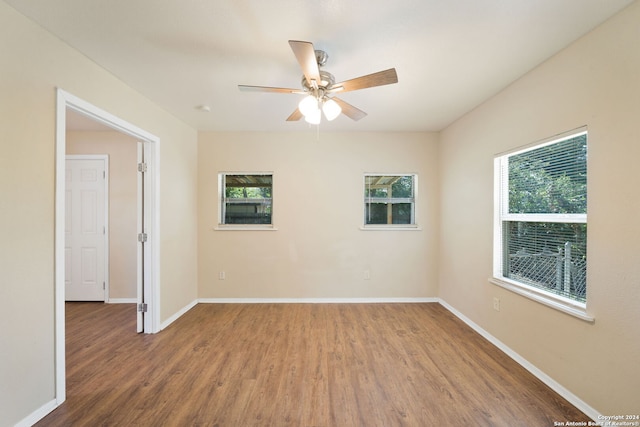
[{"x": 326, "y": 81}]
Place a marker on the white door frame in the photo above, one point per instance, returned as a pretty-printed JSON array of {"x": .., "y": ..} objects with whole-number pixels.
[
  {"x": 145, "y": 272},
  {"x": 105, "y": 160},
  {"x": 66, "y": 100}
]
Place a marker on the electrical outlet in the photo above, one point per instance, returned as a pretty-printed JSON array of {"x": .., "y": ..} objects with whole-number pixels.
[
  {"x": 367, "y": 275},
  {"x": 496, "y": 304},
  {"x": 222, "y": 275}
]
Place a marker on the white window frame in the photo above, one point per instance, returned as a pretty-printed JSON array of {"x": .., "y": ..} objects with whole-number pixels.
[
  {"x": 413, "y": 201},
  {"x": 221, "y": 204},
  {"x": 501, "y": 214}
]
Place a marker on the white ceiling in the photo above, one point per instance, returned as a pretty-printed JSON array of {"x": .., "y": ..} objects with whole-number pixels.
[{"x": 450, "y": 55}]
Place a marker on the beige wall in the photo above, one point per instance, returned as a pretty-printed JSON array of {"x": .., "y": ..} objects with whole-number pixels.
[
  {"x": 32, "y": 64},
  {"x": 123, "y": 203},
  {"x": 318, "y": 250},
  {"x": 595, "y": 82}
]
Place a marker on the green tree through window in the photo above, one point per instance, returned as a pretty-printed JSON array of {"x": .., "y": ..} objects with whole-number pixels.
[
  {"x": 543, "y": 216},
  {"x": 389, "y": 199},
  {"x": 247, "y": 199}
]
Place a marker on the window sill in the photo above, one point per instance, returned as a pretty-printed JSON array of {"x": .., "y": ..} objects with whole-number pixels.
[
  {"x": 390, "y": 228},
  {"x": 222, "y": 227},
  {"x": 564, "y": 305}
]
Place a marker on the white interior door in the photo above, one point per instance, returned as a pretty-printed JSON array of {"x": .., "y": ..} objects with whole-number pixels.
[{"x": 86, "y": 228}]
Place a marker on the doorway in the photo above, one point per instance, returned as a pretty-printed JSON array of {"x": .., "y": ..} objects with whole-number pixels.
[{"x": 148, "y": 264}]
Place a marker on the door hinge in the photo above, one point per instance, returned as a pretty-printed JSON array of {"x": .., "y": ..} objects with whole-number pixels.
[
  {"x": 142, "y": 167},
  {"x": 142, "y": 308},
  {"x": 142, "y": 237},
  {"x": 104, "y": 286}
]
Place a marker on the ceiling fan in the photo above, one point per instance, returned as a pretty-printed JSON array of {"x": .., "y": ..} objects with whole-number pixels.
[{"x": 320, "y": 86}]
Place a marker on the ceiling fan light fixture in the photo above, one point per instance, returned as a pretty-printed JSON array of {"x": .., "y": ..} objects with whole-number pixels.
[
  {"x": 309, "y": 106},
  {"x": 318, "y": 84},
  {"x": 331, "y": 109}
]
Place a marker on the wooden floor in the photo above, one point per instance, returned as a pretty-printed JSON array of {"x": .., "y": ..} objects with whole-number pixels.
[{"x": 295, "y": 365}]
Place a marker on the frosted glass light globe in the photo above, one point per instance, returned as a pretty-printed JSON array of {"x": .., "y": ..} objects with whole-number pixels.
[
  {"x": 331, "y": 109},
  {"x": 309, "y": 105}
]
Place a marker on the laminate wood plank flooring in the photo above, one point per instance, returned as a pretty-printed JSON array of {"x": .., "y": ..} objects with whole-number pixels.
[{"x": 295, "y": 365}]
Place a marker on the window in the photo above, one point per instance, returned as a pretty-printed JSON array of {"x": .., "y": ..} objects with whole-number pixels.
[
  {"x": 541, "y": 219},
  {"x": 389, "y": 200},
  {"x": 246, "y": 199}
]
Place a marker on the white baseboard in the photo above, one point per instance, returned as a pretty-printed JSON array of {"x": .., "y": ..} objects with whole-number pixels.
[
  {"x": 179, "y": 314},
  {"x": 38, "y": 414},
  {"x": 122, "y": 301},
  {"x": 314, "y": 300},
  {"x": 553, "y": 384}
]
